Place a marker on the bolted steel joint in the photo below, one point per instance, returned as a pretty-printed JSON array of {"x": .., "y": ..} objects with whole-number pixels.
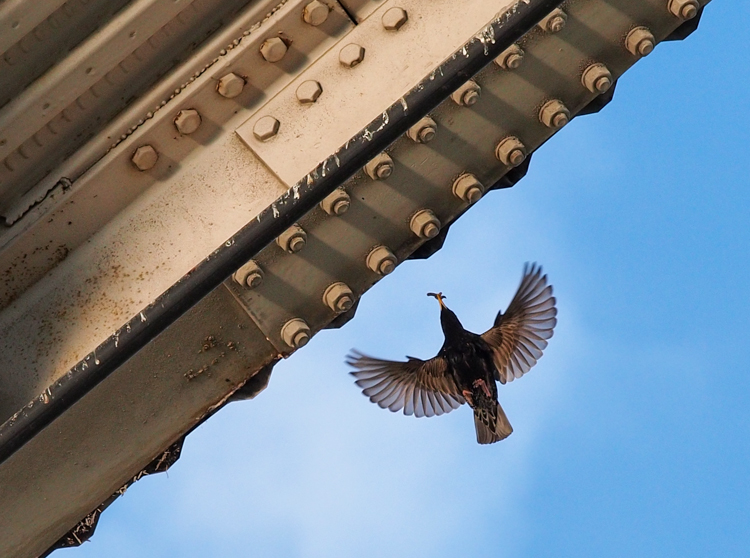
[
  {"x": 684, "y": 9},
  {"x": 315, "y": 13},
  {"x": 145, "y": 157},
  {"x": 394, "y": 19},
  {"x": 338, "y": 297},
  {"x": 265, "y": 128},
  {"x": 230, "y": 85},
  {"x": 554, "y": 21},
  {"x": 295, "y": 333},
  {"x": 187, "y": 121},
  {"x": 380, "y": 167},
  {"x": 249, "y": 275},
  {"x": 337, "y": 202},
  {"x": 273, "y": 49},
  {"x": 309, "y": 91},
  {"x": 467, "y": 188},
  {"x": 351, "y": 55},
  {"x": 640, "y": 41},
  {"x": 293, "y": 239},
  {"x": 423, "y": 131},
  {"x": 597, "y": 78},
  {"x": 511, "y": 151},
  {"x": 510, "y": 58},
  {"x": 554, "y": 114},
  {"x": 425, "y": 224},
  {"x": 468, "y": 94},
  {"x": 381, "y": 260}
]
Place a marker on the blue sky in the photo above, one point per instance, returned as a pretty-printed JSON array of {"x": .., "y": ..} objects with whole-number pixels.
[{"x": 631, "y": 434}]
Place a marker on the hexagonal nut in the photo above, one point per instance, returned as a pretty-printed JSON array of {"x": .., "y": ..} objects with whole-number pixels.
[
  {"x": 249, "y": 275},
  {"x": 293, "y": 239},
  {"x": 381, "y": 260},
  {"x": 309, "y": 91},
  {"x": 684, "y": 9},
  {"x": 510, "y": 58},
  {"x": 187, "y": 121},
  {"x": 423, "y": 131},
  {"x": 467, "y": 188},
  {"x": 554, "y": 21},
  {"x": 554, "y": 114},
  {"x": 511, "y": 151},
  {"x": 230, "y": 85},
  {"x": 425, "y": 224},
  {"x": 296, "y": 333},
  {"x": 145, "y": 157},
  {"x": 338, "y": 297},
  {"x": 351, "y": 55},
  {"x": 394, "y": 19},
  {"x": 273, "y": 49},
  {"x": 315, "y": 13},
  {"x": 597, "y": 78},
  {"x": 380, "y": 167},
  {"x": 265, "y": 128},
  {"x": 337, "y": 202},
  {"x": 467, "y": 94},
  {"x": 640, "y": 41}
]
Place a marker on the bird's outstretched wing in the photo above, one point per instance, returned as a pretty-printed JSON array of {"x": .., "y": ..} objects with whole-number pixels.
[
  {"x": 423, "y": 388},
  {"x": 519, "y": 336}
]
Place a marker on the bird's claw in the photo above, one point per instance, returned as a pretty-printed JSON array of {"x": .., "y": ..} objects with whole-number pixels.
[
  {"x": 481, "y": 383},
  {"x": 467, "y": 395}
]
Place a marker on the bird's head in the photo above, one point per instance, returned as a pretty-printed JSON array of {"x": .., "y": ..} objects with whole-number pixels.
[{"x": 439, "y": 297}]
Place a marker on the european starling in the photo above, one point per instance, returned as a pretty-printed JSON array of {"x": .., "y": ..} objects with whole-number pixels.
[{"x": 465, "y": 369}]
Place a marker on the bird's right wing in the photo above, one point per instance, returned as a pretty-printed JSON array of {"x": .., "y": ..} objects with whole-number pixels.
[{"x": 423, "y": 388}]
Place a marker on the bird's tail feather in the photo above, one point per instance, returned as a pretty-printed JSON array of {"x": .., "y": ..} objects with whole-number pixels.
[{"x": 492, "y": 425}]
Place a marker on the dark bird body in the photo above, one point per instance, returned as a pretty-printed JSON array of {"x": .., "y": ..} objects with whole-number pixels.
[{"x": 467, "y": 365}]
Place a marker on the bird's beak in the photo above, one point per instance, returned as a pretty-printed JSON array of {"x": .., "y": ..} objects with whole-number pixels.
[{"x": 439, "y": 297}]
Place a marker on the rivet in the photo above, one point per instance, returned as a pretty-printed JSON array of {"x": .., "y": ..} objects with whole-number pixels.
[
  {"x": 394, "y": 19},
  {"x": 684, "y": 9},
  {"x": 380, "y": 167},
  {"x": 249, "y": 275},
  {"x": 511, "y": 151},
  {"x": 467, "y": 94},
  {"x": 351, "y": 55},
  {"x": 597, "y": 78},
  {"x": 423, "y": 131},
  {"x": 293, "y": 239},
  {"x": 425, "y": 224},
  {"x": 336, "y": 203},
  {"x": 273, "y": 49},
  {"x": 554, "y": 114},
  {"x": 309, "y": 91},
  {"x": 510, "y": 58},
  {"x": 266, "y": 127},
  {"x": 145, "y": 157},
  {"x": 338, "y": 297},
  {"x": 187, "y": 121},
  {"x": 467, "y": 188},
  {"x": 295, "y": 333},
  {"x": 554, "y": 21},
  {"x": 640, "y": 41},
  {"x": 381, "y": 260},
  {"x": 315, "y": 13},
  {"x": 230, "y": 85}
]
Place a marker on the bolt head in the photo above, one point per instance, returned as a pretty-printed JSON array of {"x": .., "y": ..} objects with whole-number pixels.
[
  {"x": 187, "y": 121},
  {"x": 336, "y": 203},
  {"x": 249, "y": 275},
  {"x": 554, "y": 114},
  {"x": 296, "y": 243},
  {"x": 556, "y": 24},
  {"x": 684, "y": 9},
  {"x": 510, "y": 151},
  {"x": 293, "y": 239},
  {"x": 386, "y": 267},
  {"x": 510, "y": 58},
  {"x": 253, "y": 280},
  {"x": 423, "y": 131},
  {"x": 309, "y": 91},
  {"x": 384, "y": 170},
  {"x": 513, "y": 61},
  {"x": 273, "y": 49},
  {"x": 340, "y": 207},
  {"x": 351, "y": 55},
  {"x": 315, "y": 13},
  {"x": 430, "y": 230},
  {"x": 426, "y": 134},
  {"x": 467, "y": 188},
  {"x": 467, "y": 95},
  {"x": 516, "y": 157},
  {"x": 338, "y": 297},
  {"x": 381, "y": 260},
  {"x": 394, "y": 19},
  {"x": 640, "y": 41},
  {"x": 266, "y": 128},
  {"x": 603, "y": 84},
  {"x": 645, "y": 47},
  {"x": 379, "y": 167},
  {"x": 560, "y": 119},
  {"x": 295, "y": 333},
  {"x": 301, "y": 339},
  {"x": 470, "y": 98},
  {"x": 425, "y": 224},
  {"x": 145, "y": 157},
  {"x": 230, "y": 86}
]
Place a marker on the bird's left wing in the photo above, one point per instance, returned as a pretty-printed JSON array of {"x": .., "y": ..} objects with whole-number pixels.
[{"x": 423, "y": 388}]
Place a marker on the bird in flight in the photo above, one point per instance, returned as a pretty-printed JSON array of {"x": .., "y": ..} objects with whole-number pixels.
[{"x": 467, "y": 366}]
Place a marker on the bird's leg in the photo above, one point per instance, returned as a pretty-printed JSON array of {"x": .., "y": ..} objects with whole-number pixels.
[
  {"x": 467, "y": 395},
  {"x": 481, "y": 383}
]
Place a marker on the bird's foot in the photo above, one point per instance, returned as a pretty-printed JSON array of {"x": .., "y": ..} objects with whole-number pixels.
[
  {"x": 467, "y": 395},
  {"x": 481, "y": 383}
]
